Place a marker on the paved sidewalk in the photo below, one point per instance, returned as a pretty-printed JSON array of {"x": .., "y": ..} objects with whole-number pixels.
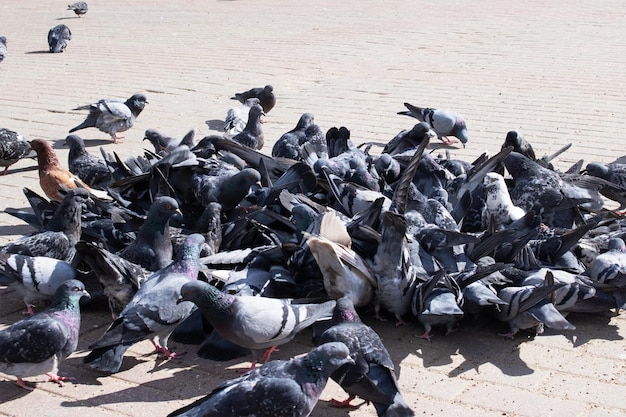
[{"x": 554, "y": 70}]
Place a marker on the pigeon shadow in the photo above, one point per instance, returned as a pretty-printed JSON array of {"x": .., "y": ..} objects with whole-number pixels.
[
  {"x": 68, "y": 18},
  {"x": 17, "y": 230},
  {"x": 60, "y": 144},
  {"x": 25, "y": 169},
  {"x": 45, "y": 51},
  {"x": 10, "y": 391},
  {"x": 215, "y": 124}
]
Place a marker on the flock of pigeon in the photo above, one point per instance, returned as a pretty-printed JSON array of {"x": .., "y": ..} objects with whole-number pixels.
[{"x": 217, "y": 244}]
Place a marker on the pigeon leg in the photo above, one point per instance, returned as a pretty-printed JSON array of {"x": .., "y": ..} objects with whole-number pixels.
[
  {"x": 447, "y": 140},
  {"x": 266, "y": 355},
  {"x": 29, "y": 310},
  {"x": 343, "y": 404},
  {"x": 426, "y": 335},
  {"x": 164, "y": 352},
  {"x": 22, "y": 384},
  {"x": 400, "y": 321},
  {"x": 5, "y": 171},
  {"x": 508, "y": 335},
  {"x": 116, "y": 139},
  {"x": 58, "y": 379}
]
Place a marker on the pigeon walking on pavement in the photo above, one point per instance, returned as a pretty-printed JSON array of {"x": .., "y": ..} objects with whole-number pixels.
[
  {"x": 79, "y": 7},
  {"x": 266, "y": 97},
  {"x": 13, "y": 147},
  {"x": 279, "y": 388},
  {"x": 257, "y": 323},
  {"x": 112, "y": 116},
  {"x": 444, "y": 122},
  {"x": 92, "y": 170},
  {"x": 58, "y": 37},
  {"x": 37, "y": 344},
  {"x": 372, "y": 376}
]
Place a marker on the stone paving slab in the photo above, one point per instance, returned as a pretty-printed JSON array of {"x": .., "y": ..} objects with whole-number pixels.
[{"x": 555, "y": 71}]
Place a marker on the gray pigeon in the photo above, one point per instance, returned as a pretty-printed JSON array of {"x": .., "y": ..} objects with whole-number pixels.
[
  {"x": 154, "y": 312},
  {"x": 278, "y": 389},
  {"x": 289, "y": 144},
  {"x": 252, "y": 135},
  {"x": 373, "y": 376},
  {"x": 237, "y": 117},
  {"x": 444, "y": 122},
  {"x": 92, "y": 170},
  {"x": 256, "y": 323},
  {"x": 520, "y": 145},
  {"x": 13, "y": 146},
  {"x": 79, "y": 7},
  {"x": 266, "y": 97},
  {"x": 153, "y": 247},
  {"x": 409, "y": 139},
  {"x": 37, "y": 344},
  {"x": 615, "y": 175},
  {"x": 3, "y": 48},
  {"x": 610, "y": 267},
  {"x": 58, "y": 37},
  {"x": 164, "y": 143},
  {"x": 61, "y": 234},
  {"x": 112, "y": 116},
  {"x": 38, "y": 276}
]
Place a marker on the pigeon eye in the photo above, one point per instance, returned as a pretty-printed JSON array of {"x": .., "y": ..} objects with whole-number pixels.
[{"x": 168, "y": 206}]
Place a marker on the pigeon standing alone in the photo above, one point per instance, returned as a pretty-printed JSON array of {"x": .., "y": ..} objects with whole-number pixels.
[
  {"x": 112, "y": 116},
  {"x": 37, "y": 344},
  {"x": 279, "y": 388},
  {"x": 58, "y": 37},
  {"x": 266, "y": 97},
  {"x": 79, "y": 7},
  {"x": 13, "y": 147},
  {"x": 444, "y": 122}
]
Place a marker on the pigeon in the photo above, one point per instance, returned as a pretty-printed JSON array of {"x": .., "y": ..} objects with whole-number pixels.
[
  {"x": 37, "y": 344},
  {"x": 279, "y": 388},
  {"x": 112, "y": 116},
  {"x": 152, "y": 249},
  {"x": 444, "y": 122},
  {"x": 164, "y": 143},
  {"x": 257, "y": 323},
  {"x": 252, "y": 135},
  {"x": 409, "y": 139},
  {"x": 289, "y": 144},
  {"x": 92, "y": 170},
  {"x": 79, "y": 7},
  {"x": 373, "y": 376},
  {"x": 499, "y": 211},
  {"x": 615, "y": 175},
  {"x": 61, "y": 234},
  {"x": 520, "y": 145},
  {"x": 13, "y": 147},
  {"x": 610, "y": 267},
  {"x": 58, "y": 37},
  {"x": 237, "y": 117},
  {"x": 266, "y": 97},
  {"x": 38, "y": 276},
  {"x": 3, "y": 48},
  {"x": 53, "y": 178}
]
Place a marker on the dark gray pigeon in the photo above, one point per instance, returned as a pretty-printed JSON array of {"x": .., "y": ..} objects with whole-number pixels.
[
  {"x": 58, "y": 37},
  {"x": 290, "y": 143},
  {"x": 615, "y": 175},
  {"x": 257, "y": 323},
  {"x": 237, "y": 117},
  {"x": 278, "y": 389},
  {"x": 409, "y": 139},
  {"x": 252, "y": 135},
  {"x": 79, "y": 7},
  {"x": 519, "y": 144},
  {"x": 38, "y": 277},
  {"x": 112, "y": 116},
  {"x": 164, "y": 143},
  {"x": 444, "y": 122},
  {"x": 37, "y": 344},
  {"x": 92, "y": 170},
  {"x": 13, "y": 146},
  {"x": 153, "y": 247},
  {"x": 266, "y": 97},
  {"x": 373, "y": 376},
  {"x": 610, "y": 267},
  {"x": 61, "y": 234},
  {"x": 154, "y": 312},
  {"x": 3, "y": 48}
]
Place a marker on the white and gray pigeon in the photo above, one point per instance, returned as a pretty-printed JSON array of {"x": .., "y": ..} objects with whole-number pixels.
[
  {"x": 79, "y": 7},
  {"x": 444, "y": 122},
  {"x": 257, "y": 323},
  {"x": 91, "y": 169},
  {"x": 278, "y": 389},
  {"x": 38, "y": 277},
  {"x": 58, "y": 37},
  {"x": 37, "y": 344},
  {"x": 13, "y": 146},
  {"x": 112, "y": 116},
  {"x": 153, "y": 313},
  {"x": 3, "y": 48},
  {"x": 252, "y": 134},
  {"x": 372, "y": 376},
  {"x": 237, "y": 117},
  {"x": 609, "y": 268},
  {"x": 499, "y": 211}
]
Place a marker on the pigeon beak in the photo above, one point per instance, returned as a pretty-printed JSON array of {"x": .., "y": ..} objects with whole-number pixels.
[
  {"x": 179, "y": 300},
  {"x": 86, "y": 294}
]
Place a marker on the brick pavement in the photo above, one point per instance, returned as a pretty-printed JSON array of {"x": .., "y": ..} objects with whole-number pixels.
[{"x": 553, "y": 70}]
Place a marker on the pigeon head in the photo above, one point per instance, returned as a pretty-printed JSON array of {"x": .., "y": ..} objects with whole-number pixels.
[
  {"x": 329, "y": 357},
  {"x": 136, "y": 103},
  {"x": 69, "y": 294},
  {"x": 345, "y": 312},
  {"x": 597, "y": 170},
  {"x": 206, "y": 296},
  {"x": 460, "y": 131},
  {"x": 514, "y": 139},
  {"x": 45, "y": 154}
]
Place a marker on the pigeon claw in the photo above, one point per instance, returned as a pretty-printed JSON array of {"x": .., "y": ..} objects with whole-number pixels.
[
  {"x": 508, "y": 335},
  {"x": 22, "y": 384},
  {"x": 58, "y": 379},
  {"x": 343, "y": 404},
  {"x": 426, "y": 335},
  {"x": 117, "y": 139}
]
